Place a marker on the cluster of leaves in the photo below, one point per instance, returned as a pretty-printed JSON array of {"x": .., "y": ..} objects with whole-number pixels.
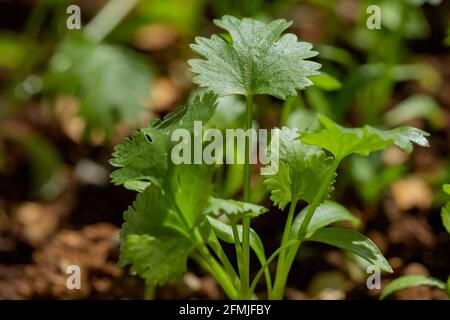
[{"x": 176, "y": 214}]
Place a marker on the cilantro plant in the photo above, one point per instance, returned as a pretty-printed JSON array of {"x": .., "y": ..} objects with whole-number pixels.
[
  {"x": 177, "y": 213},
  {"x": 420, "y": 280}
]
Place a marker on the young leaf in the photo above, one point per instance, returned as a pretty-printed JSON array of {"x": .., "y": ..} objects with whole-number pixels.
[
  {"x": 301, "y": 170},
  {"x": 257, "y": 61},
  {"x": 352, "y": 241},
  {"x": 341, "y": 141},
  {"x": 411, "y": 281},
  {"x": 327, "y": 213},
  {"x": 112, "y": 82},
  {"x": 233, "y": 209},
  {"x": 145, "y": 157},
  {"x": 153, "y": 240}
]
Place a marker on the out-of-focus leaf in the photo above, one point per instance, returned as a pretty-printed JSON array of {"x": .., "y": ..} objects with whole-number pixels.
[
  {"x": 184, "y": 15},
  {"x": 352, "y": 241},
  {"x": 415, "y": 107},
  {"x": 327, "y": 213},
  {"x": 411, "y": 281},
  {"x": 112, "y": 82},
  {"x": 303, "y": 120},
  {"x": 326, "y": 82},
  {"x": 318, "y": 101},
  {"x": 257, "y": 61},
  {"x": 229, "y": 114},
  {"x": 412, "y": 23},
  {"x": 45, "y": 162},
  {"x": 371, "y": 178},
  {"x": 13, "y": 50}
]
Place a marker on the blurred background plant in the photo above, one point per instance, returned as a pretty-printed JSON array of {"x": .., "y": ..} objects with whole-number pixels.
[{"x": 67, "y": 96}]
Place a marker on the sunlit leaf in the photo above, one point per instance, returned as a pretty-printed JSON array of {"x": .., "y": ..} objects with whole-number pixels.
[{"x": 257, "y": 61}]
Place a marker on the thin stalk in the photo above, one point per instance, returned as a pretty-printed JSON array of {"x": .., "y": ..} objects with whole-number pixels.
[
  {"x": 284, "y": 240},
  {"x": 218, "y": 250},
  {"x": 238, "y": 247},
  {"x": 245, "y": 276},
  {"x": 281, "y": 277},
  {"x": 108, "y": 18},
  {"x": 215, "y": 268},
  {"x": 149, "y": 293}
]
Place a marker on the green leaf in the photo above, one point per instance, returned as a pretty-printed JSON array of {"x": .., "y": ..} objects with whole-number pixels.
[
  {"x": 233, "y": 209},
  {"x": 112, "y": 82},
  {"x": 257, "y": 61},
  {"x": 411, "y": 281},
  {"x": 326, "y": 82},
  {"x": 145, "y": 157},
  {"x": 403, "y": 137},
  {"x": 157, "y": 260},
  {"x": 154, "y": 241},
  {"x": 191, "y": 187},
  {"x": 201, "y": 108},
  {"x": 352, "y": 241},
  {"x": 301, "y": 170},
  {"x": 418, "y": 106},
  {"x": 142, "y": 159},
  {"x": 327, "y": 213},
  {"x": 341, "y": 141},
  {"x": 224, "y": 232}
]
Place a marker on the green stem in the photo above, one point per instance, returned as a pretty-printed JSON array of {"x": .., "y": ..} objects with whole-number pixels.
[
  {"x": 214, "y": 267},
  {"x": 218, "y": 250},
  {"x": 108, "y": 18},
  {"x": 245, "y": 276},
  {"x": 208, "y": 260},
  {"x": 284, "y": 240},
  {"x": 281, "y": 278},
  {"x": 149, "y": 293},
  {"x": 238, "y": 247}
]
